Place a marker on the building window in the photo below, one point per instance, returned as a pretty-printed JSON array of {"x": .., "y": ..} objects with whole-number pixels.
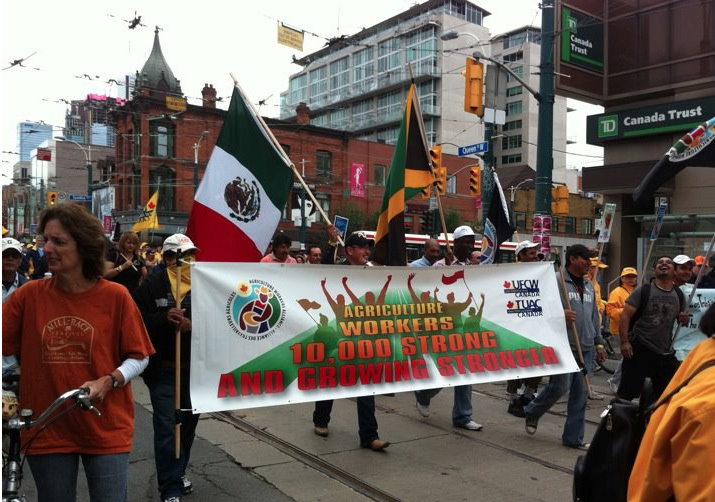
[
  {"x": 324, "y": 163},
  {"x": 518, "y": 39},
  {"x": 514, "y": 108},
  {"x": 389, "y": 106},
  {"x": 286, "y": 149},
  {"x": 514, "y": 91},
  {"x": 163, "y": 179},
  {"x": 378, "y": 175},
  {"x": 518, "y": 71},
  {"x": 512, "y": 124},
  {"x": 569, "y": 224},
  {"x": 511, "y": 159},
  {"x": 451, "y": 184},
  {"x": 388, "y": 56},
  {"x": 473, "y": 14},
  {"x": 363, "y": 69},
  {"x": 362, "y": 112},
  {"x": 323, "y": 201},
  {"x": 161, "y": 140},
  {"x": 388, "y": 136},
  {"x": 318, "y": 85},
  {"x": 339, "y": 119},
  {"x": 339, "y": 76},
  {"x": 428, "y": 96},
  {"x": 319, "y": 120},
  {"x": 520, "y": 220},
  {"x": 421, "y": 50},
  {"x": 298, "y": 88},
  {"x": 514, "y": 56},
  {"x": 511, "y": 142},
  {"x": 587, "y": 226}
]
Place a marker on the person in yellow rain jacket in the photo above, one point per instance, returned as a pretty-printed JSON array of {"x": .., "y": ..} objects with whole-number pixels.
[
  {"x": 617, "y": 298},
  {"x": 678, "y": 450}
]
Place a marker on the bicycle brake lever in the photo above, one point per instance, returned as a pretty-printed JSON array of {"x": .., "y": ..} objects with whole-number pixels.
[{"x": 85, "y": 403}]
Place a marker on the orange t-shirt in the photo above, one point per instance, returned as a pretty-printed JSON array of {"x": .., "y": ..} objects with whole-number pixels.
[{"x": 65, "y": 339}]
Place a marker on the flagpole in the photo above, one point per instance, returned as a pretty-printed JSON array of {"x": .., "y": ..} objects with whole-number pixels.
[
  {"x": 177, "y": 362},
  {"x": 278, "y": 146},
  {"x": 440, "y": 211}
]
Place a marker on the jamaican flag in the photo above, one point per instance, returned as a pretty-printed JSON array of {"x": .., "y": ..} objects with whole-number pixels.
[{"x": 410, "y": 172}]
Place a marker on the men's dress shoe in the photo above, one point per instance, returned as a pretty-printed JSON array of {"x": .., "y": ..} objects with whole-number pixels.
[{"x": 321, "y": 431}]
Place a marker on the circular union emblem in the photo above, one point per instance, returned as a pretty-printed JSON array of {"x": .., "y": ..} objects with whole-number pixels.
[{"x": 255, "y": 309}]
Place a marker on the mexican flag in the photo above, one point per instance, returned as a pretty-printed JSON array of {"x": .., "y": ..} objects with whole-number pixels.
[
  {"x": 239, "y": 202},
  {"x": 410, "y": 172}
]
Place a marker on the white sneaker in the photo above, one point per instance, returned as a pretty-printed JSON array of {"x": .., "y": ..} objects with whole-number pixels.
[
  {"x": 422, "y": 409},
  {"x": 471, "y": 426},
  {"x": 612, "y": 386},
  {"x": 172, "y": 499}
]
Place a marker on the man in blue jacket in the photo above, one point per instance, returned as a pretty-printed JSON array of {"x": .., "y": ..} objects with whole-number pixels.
[{"x": 583, "y": 314}]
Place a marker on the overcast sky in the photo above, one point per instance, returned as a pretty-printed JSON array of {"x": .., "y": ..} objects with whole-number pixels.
[{"x": 203, "y": 42}]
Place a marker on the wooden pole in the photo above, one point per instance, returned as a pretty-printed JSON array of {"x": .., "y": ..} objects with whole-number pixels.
[
  {"x": 177, "y": 364},
  {"x": 577, "y": 342}
]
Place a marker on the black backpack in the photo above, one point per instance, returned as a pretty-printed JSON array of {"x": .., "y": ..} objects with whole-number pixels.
[{"x": 602, "y": 473}]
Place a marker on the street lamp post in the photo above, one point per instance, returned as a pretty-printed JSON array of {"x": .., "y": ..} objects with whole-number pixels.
[
  {"x": 514, "y": 189},
  {"x": 88, "y": 159},
  {"x": 196, "y": 147}
]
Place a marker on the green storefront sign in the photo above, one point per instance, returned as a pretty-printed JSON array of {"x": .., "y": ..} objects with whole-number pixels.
[
  {"x": 676, "y": 117},
  {"x": 581, "y": 40}
]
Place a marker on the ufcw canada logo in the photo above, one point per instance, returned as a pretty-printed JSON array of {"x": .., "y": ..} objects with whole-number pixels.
[{"x": 522, "y": 287}]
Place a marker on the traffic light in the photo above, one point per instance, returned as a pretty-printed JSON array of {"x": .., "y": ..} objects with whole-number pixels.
[
  {"x": 473, "y": 87},
  {"x": 440, "y": 173},
  {"x": 440, "y": 180},
  {"x": 560, "y": 200},
  {"x": 424, "y": 223},
  {"x": 427, "y": 191},
  {"x": 51, "y": 199},
  {"x": 475, "y": 180}
]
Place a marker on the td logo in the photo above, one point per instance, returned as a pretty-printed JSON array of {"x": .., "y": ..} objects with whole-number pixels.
[{"x": 608, "y": 126}]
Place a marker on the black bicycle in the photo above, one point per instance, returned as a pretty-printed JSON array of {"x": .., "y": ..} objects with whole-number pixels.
[
  {"x": 613, "y": 356},
  {"x": 13, "y": 459}
]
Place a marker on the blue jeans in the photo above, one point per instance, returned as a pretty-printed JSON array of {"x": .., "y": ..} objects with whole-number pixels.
[
  {"x": 367, "y": 423},
  {"x": 169, "y": 469},
  {"x": 462, "y": 408},
  {"x": 572, "y": 383},
  {"x": 56, "y": 476}
]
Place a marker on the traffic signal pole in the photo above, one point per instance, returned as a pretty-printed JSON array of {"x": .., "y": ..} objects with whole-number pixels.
[{"x": 545, "y": 136}]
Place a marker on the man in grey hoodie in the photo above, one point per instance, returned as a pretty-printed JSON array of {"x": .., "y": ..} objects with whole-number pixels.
[{"x": 584, "y": 314}]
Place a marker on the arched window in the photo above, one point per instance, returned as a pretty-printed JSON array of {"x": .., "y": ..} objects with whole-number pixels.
[
  {"x": 162, "y": 139},
  {"x": 163, "y": 178}
]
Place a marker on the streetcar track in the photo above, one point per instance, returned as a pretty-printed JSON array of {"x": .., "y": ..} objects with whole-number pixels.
[{"x": 307, "y": 458}]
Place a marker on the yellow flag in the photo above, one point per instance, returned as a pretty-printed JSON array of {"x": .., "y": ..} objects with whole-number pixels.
[{"x": 147, "y": 218}]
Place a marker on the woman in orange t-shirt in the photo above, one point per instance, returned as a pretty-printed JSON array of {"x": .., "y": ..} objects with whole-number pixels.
[{"x": 77, "y": 330}]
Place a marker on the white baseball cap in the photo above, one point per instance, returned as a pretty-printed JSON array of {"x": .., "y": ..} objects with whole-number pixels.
[
  {"x": 682, "y": 259},
  {"x": 463, "y": 231},
  {"x": 10, "y": 243},
  {"x": 525, "y": 245},
  {"x": 178, "y": 242}
]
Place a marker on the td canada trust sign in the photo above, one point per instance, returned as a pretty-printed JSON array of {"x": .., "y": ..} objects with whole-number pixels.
[{"x": 680, "y": 116}]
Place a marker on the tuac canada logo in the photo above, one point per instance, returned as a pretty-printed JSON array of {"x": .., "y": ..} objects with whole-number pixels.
[
  {"x": 255, "y": 310},
  {"x": 244, "y": 199}
]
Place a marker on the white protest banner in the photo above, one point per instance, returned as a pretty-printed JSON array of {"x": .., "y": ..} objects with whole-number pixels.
[
  {"x": 267, "y": 334},
  {"x": 689, "y": 336}
]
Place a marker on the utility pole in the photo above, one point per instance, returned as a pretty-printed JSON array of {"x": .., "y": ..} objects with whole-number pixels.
[
  {"x": 545, "y": 137},
  {"x": 303, "y": 222}
]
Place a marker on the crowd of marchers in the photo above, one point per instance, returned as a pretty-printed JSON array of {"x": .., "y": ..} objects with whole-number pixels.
[{"x": 123, "y": 310}]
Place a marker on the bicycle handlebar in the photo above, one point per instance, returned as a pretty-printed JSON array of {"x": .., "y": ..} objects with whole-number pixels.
[{"x": 80, "y": 397}]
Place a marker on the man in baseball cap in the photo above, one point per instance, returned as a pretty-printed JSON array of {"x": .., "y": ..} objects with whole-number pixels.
[
  {"x": 527, "y": 251},
  {"x": 683, "y": 269},
  {"x": 11, "y": 259},
  {"x": 178, "y": 242}
]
